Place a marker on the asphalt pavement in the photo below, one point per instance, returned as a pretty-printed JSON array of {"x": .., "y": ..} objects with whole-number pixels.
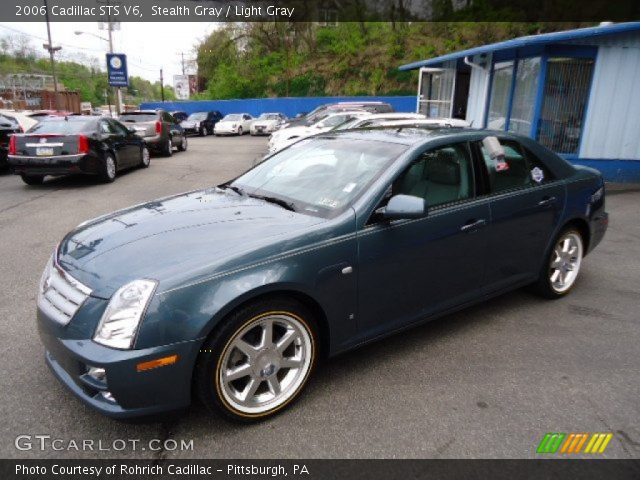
[{"x": 487, "y": 382}]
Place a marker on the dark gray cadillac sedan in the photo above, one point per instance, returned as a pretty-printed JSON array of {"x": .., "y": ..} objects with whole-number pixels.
[{"x": 233, "y": 293}]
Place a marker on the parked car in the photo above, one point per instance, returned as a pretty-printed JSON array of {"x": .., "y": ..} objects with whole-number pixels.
[
  {"x": 377, "y": 119},
  {"x": 324, "y": 110},
  {"x": 49, "y": 113},
  {"x": 24, "y": 120},
  {"x": 341, "y": 240},
  {"x": 234, "y": 124},
  {"x": 427, "y": 122},
  {"x": 160, "y": 131},
  {"x": 76, "y": 144},
  {"x": 8, "y": 126},
  {"x": 267, "y": 123},
  {"x": 179, "y": 115},
  {"x": 285, "y": 137},
  {"x": 201, "y": 123}
]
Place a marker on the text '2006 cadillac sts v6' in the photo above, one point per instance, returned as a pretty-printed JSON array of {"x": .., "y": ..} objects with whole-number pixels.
[{"x": 337, "y": 240}]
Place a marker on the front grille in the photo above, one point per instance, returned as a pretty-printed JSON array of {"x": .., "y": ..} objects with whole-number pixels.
[{"x": 61, "y": 295}]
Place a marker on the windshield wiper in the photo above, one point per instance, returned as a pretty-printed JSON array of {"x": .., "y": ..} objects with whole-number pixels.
[
  {"x": 238, "y": 190},
  {"x": 277, "y": 201}
]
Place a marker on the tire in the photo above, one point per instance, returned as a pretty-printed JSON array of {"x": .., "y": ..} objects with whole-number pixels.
[
  {"x": 168, "y": 148},
  {"x": 202, "y": 132},
  {"x": 273, "y": 386},
  {"x": 240, "y": 132},
  {"x": 183, "y": 144},
  {"x": 145, "y": 157},
  {"x": 108, "y": 168},
  {"x": 562, "y": 265},
  {"x": 32, "y": 179}
]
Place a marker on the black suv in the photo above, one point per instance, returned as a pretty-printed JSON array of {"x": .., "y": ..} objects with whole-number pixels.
[
  {"x": 8, "y": 126},
  {"x": 160, "y": 131},
  {"x": 201, "y": 123}
]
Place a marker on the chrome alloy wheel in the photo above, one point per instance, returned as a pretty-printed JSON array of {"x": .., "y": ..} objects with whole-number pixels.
[
  {"x": 111, "y": 167},
  {"x": 565, "y": 262},
  {"x": 265, "y": 363}
]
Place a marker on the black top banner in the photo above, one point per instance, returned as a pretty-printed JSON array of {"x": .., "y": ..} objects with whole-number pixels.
[{"x": 322, "y": 11}]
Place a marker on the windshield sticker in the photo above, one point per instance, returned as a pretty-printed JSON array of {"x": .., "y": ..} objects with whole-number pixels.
[
  {"x": 349, "y": 188},
  {"x": 537, "y": 174},
  {"x": 328, "y": 202}
]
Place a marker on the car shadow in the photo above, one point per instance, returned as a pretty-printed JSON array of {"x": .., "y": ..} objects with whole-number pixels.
[
  {"x": 357, "y": 363},
  {"x": 77, "y": 181}
]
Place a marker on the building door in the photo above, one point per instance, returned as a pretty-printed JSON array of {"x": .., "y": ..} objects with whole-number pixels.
[{"x": 566, "y": 93}]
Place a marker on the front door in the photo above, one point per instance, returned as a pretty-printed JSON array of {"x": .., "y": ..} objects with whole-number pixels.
[{"x": 409, "y": 269}]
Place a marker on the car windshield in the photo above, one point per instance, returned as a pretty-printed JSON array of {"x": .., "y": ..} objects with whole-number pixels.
[
  {"x": 234, "y": 117},
  {"x": 197, "y": 116},
  {"x": 138, "y": 117},
  {"x": 64, "y": 127},
  {"x": 320, "y": 176},
  {"x": 269, "y": 116},
  {"x": 348, "y": 124},
  {"x": 7, "y": 121}
]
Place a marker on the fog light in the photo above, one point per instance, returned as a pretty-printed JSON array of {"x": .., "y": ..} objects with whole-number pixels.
[
  {"x": 98, "y": 373},
  {"x": 108, "y": 396}
]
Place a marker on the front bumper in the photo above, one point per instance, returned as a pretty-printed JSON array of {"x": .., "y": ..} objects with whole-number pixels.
[
  {"x": 220, "y": 130},
  {"x": 56, "y": 165},
  {"x": 135, "y": 393},
  {"x": 258, "y": 130}
]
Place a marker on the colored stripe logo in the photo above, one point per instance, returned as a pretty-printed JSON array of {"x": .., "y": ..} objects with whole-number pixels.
[{"x": 593, "y": 443}]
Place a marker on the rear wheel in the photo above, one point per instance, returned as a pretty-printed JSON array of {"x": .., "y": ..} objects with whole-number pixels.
[
  {"x": 145, "y": 157},
  {"x": 258, "y": 362},
  {"x": 562, "y": 266},
  {"x": 108, "y": 170},
  {"x": 168, "y": 148},
  {"x": 183, "y": 144},
  {"x": 32, "y": 179}
]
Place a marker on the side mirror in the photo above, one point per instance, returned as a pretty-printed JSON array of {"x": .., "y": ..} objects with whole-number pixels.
[{"x": 404, "y": 207}]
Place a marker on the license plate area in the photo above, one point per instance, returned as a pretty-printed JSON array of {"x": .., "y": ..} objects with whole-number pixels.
[{"x": 44, "y": 151}]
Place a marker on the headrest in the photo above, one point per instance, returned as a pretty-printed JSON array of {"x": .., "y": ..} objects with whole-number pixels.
[{"x": 443, "y": 168}]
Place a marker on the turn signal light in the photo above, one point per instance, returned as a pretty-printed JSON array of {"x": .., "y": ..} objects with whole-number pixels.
[
  {"x": 13, "y": 149},
  {"x": 158, "y": 362},
  {"x": 83, "y": 144}
]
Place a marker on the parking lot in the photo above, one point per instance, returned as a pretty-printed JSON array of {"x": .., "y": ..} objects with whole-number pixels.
[{"x": 489, "y": 381}]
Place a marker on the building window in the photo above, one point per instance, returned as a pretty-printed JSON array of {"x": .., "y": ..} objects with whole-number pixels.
[
  {"x": 500, "y": 93},
  {"x": 436, "y": 92},
  {"x": 524, "y": 96},
  {"x": 566, "y": 92}
]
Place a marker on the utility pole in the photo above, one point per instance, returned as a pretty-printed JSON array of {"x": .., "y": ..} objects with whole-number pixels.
[
  {"x": 49, "y": 47},
  {"x": 118, "y": 92},
  {"x": 182, "y": 57},
  {"x": 161, "y": 86}
]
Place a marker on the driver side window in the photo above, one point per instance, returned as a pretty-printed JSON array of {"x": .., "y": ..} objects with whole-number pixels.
[{"x": 441, "y": 176}]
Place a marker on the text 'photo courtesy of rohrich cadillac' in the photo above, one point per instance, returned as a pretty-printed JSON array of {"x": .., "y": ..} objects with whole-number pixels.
[{"x": 319, "y": 239}]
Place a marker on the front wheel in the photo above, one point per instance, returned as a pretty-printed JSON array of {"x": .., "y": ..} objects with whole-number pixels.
[
  {"x": 240, "y": 131},
  {"x": 168, "y": 148},
  {"x": 258, "y": 362},
  {"x": 561, "y": 269}
]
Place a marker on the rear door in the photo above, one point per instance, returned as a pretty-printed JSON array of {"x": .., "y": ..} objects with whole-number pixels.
[
  {"x": 131, "y": 147},
  {"x": 115, "y": 141},
  {"x": 526, "y": 204},
  {"x": 174, "y": 129}
]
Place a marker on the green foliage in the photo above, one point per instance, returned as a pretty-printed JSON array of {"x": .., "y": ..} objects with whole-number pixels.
[{"x": 353, "y": 58}]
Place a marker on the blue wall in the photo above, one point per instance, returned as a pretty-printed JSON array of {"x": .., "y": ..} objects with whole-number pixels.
[{"x": 290, "y": 106}]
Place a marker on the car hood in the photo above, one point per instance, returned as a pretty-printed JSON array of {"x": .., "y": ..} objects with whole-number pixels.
[
  {"x": 175, "y": 240},
  {"x": 265, "y": 123},
  {"x": 190, "y": 123},
  {"x": 289, "y": 132}
]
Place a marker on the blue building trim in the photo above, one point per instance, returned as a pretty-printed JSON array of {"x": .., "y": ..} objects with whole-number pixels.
[{"x": 290, "y": 106}]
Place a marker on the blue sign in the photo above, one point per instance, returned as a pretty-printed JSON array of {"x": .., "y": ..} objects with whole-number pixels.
[{"x": 117, "y": 70}]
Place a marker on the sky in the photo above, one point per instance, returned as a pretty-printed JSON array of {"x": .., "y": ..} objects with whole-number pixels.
[{"x": 149, "y": 46}]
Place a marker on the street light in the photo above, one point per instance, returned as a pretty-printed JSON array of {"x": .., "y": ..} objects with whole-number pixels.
[{"x": 110, "y": 42}]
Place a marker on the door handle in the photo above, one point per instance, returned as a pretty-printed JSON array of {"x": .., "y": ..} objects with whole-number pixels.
[
  {"x": 473, "y": 225},
  {"x": 547, "y": 201}
]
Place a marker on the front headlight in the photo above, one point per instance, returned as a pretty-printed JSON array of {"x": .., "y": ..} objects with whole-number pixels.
[
  {"x": 119, "y": 323},
  {"x": 233, "y": 125},
  {"x": 44, "y": 279}
]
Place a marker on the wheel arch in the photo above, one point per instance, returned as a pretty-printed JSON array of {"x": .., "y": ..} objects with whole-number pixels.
[
  {"x": 583, "y": 228},
  {"x": 275, "y": 291}
]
